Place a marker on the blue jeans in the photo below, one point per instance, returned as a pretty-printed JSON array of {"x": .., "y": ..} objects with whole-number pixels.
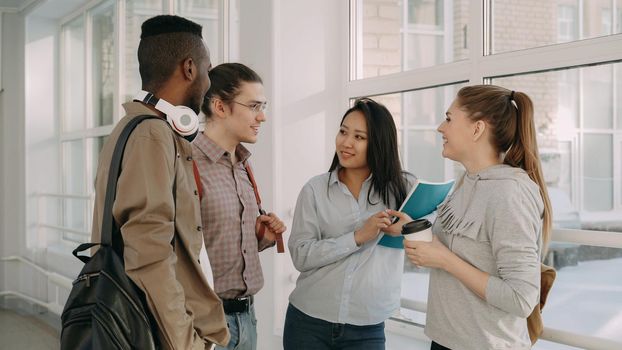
[
  {"x": 243, "y": 330},
  {"x": 303, "y": 332}
]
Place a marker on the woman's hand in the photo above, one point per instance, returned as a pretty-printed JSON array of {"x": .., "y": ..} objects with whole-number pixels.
[
  {"x": 428, "y": 254},
  {"x": 395, "y": 229},
  {"x": 372, "y": 227}
]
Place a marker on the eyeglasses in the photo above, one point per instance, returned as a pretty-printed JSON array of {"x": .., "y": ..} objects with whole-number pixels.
[{"x": 255, "y": 107}]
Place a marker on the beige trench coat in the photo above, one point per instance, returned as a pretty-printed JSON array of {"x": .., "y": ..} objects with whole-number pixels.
[{"x": 188, "y": 312}]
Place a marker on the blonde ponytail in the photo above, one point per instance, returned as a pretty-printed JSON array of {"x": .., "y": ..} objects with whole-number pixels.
[{"x": 510, "y": 114}]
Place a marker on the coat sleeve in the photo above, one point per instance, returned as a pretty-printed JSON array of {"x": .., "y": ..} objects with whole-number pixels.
[{"x": 145, "y": 207}]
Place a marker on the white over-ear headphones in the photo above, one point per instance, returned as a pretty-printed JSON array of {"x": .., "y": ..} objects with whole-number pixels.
[{"x": 181, "y": 118}]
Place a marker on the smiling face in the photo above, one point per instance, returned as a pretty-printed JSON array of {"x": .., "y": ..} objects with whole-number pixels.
[
  {"x": 458, "y": 134},
  {"x": 351, "y": 141},
  {"x": 243, "y": 122}
]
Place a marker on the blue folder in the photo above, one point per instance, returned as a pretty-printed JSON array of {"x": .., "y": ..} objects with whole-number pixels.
[{"x": 421, "y": 201}]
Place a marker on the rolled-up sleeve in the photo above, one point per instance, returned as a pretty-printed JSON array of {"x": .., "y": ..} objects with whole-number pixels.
[
  {"x": 514, "y": 241},
  {"x": 145, "y": 204},
  {"x": 309, "y": 250}
]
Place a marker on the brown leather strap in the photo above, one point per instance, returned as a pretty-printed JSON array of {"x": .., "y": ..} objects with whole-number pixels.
[{"x": 280, "y": 248}]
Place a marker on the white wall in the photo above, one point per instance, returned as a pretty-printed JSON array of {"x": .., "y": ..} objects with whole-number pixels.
[
  {"x": 299, "y": 58},
  {"x": 12, "y": 157}
]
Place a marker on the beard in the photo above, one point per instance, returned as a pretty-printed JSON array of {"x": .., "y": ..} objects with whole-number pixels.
[{"x": 194, "y": 97}]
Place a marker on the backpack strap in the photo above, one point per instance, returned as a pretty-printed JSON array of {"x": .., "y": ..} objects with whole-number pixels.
[
  {"x": 280, "y": 248},
  {"x": 108, "y": 224}
]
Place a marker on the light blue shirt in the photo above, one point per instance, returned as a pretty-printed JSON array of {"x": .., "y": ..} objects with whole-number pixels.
[{"x": 340, "y": 282}]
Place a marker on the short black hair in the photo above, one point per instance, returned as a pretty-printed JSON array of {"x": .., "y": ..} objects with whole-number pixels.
[
  {"x": 226, "y": 79},
  {"x": 165, "y": 42},
  {"x": 165, "y": 24}
]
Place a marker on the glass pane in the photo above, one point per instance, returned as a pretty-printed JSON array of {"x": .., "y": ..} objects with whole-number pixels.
[
  {"x": 207, "y": 14},
  {"x": 424, "y": 50},
  {"x": 578, "y": 183},
  {"x": 414, "y": 287},
  {"x": 73, "y": 167},
  {"x": 585, "y": 280},
  {"x": 75, "y": 214},
  {"x": 427, "y": 107},
  {"x": 617, "y": 68},
  {"x": 417, "y": 114},
  {"x": 598, "y": 172},
  {"x": 136, "y": 12},
  {"x": 393, "y": 102},
  {"x": 73, "y": 75},
  {"x": 397, "y": 35},
  {"x": 598, "y": 97},
  {"x": 424, "y": 155},
  {"x": 597, "y": 18},
  {"x": 95, "y": 145},
  {"x": 103, "y": 63},
  {"x": 568, "y": 100},
  {"x": 74, "y": 183},
  {"x": 565, "y": 213},
  {"x": 519, "y": 24}
]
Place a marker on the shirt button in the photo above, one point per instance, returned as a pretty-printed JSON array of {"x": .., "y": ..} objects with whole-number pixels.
[
  {"x": 244, "y": 251},
  {"x": 198, "y": 228},
  {"x": 189, "y": 158},
  {"x": 196, "y": 193}
]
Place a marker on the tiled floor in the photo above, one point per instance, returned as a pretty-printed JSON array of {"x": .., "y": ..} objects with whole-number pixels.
[{"x": 19, "y": 331}]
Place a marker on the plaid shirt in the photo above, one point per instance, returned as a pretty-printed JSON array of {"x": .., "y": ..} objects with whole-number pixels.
[{"x": 229, "y": 211}]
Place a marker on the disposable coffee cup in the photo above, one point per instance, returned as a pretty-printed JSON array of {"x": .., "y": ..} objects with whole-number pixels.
[{"x": 418, "y": 230}]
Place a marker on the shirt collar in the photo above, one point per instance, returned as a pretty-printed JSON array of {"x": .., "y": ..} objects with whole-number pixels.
[
  {"x": 136, "y": 108},
  {"x": 334, "y": 176},
  {"x": 214, "y": 152}
]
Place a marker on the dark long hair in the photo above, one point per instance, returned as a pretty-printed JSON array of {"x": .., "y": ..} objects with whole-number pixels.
[
  {"x": 382, "y": 153},
  {"x": 510, "y": 115}
]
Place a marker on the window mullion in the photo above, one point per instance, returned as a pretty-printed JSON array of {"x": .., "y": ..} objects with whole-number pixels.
[
  {"x": 477, "y": 42},
  {"x": 118, "y": 95}
]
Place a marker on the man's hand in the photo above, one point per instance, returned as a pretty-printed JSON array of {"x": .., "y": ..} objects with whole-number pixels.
[{"x": 274, "y": 226}]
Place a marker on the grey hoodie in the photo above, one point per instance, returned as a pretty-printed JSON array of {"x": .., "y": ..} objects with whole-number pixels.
[{"x": 493, "y": 221}]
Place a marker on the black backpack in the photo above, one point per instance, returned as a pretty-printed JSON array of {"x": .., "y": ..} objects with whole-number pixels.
[{"x": 105, "y": 309}]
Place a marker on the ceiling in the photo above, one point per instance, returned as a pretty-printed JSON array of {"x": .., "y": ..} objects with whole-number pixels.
[
  {"x": 14, "y": 5},
  {"x": 51, "y": 9}
]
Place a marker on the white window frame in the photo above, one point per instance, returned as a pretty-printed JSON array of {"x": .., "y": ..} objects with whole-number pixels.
[
  {"x": 88, "y": 132},
  {"x": 479, "y": 67}
]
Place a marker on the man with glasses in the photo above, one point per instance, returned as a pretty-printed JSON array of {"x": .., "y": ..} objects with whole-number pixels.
[{"x": 234, "y": 106}]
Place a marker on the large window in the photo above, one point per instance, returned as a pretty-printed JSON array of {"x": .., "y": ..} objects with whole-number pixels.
[
  {"x": 520, "y": 24},
  {"x": 394, "y": 36},
  {"x": 575, "y": 109},
  {"x": 537, "y": 47},
  {"x": 98, "y": 73}
]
